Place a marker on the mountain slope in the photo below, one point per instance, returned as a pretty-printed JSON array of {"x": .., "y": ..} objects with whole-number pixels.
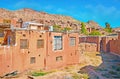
[{"x": 50, "y": 19}]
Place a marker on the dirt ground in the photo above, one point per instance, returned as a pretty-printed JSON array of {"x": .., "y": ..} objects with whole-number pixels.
[
  {"x": 93, "y": 65},
  {"x": 108, "y": 69}
]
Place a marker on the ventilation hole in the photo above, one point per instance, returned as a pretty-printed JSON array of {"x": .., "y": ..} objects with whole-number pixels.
[
  {"x": 40, "y": 35},
  {"x": 24, "y": 35},
  {"x": 28, "y": 52}
]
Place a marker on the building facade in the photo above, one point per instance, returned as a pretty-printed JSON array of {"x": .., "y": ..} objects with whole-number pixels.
[{"x": 25, "y": 49}]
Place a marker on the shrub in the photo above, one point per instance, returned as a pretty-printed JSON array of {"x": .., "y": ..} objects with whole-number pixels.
[
  {"x": 67, "y": 29},
  {"x": 40, "y": 73},
  {"x": 95, "y": 33},
  {"x": 83, "y": 29},
  {"x": 85, "y": 76},
  {"x": 76, "y": 76},
  {"x": 56, "y": 28},
  {"x": 108, "y": 28},
  {"x": 80, "y": 76}
]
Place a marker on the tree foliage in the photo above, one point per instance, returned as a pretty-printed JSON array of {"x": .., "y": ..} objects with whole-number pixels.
[
  {"x": 95, "y": 33},
  {"x": 67, "y": 29},
  {"x": 56, "y": 28},
  {"x": 108, "y": 27},
  {"x": 83, "y": 29}
]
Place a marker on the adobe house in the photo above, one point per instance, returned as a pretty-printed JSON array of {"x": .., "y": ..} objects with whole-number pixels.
[
  {"x": 3, "y": 26},
  {"x": 62, "y": 49},
  {"x": 8, "y": 21},
  {"x": 26, "y": 49},
  {"x": 26, "y": 53}
]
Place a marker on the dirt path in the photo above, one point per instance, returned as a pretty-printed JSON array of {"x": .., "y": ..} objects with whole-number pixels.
[
  {"x": 92, "y": 71},
  {"x": 110, "y": 67}
]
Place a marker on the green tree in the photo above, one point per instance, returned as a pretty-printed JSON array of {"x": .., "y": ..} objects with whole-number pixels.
[
  {"x": 67, "y": 29},
  {"x": 56, "y": 28},
  {"x": 83, "y": 29},
  {"x": 108, "y": 27},
  {"x": 95, "y": 33}
]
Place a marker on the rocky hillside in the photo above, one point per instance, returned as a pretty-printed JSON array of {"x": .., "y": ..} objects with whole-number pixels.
[
  {"x": 93, "y": 24},
  {"x": 43, "y": 17}
]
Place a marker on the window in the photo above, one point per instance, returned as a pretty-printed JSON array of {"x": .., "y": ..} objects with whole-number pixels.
[
  {"x": 72, "y": 41},
  {"x": 59, "y": 58},
  {"x": 57, "y": 43},
  {"x": 32, "y": 60},
  {"x": 1, "y": 34},
  {"x": 40, "y": 43},
  {"x": 23, "y": 43}
]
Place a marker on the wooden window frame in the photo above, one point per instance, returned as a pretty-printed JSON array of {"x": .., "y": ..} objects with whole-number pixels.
[
  {"x": 40, "y": 43},
  {"x": 59, "y": 58},
  {"x": 25, "y": 46},
  {"x": 32, "y": 60},
  {"x": 57, "y": 43},
  {"x": 72, "y": 41}
]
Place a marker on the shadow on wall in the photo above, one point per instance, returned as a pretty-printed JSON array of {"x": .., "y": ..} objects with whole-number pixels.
[{"x": 108, "y": 69}]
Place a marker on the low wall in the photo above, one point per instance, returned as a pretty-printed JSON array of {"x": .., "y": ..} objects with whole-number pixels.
[
  {"x": 87, "y": 47},
  {"x": 91, "y": 39},
  {"x": 115, "y": 46}
]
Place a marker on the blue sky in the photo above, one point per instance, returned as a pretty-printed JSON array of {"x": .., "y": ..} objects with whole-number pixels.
[{"x": 100, "y": 11}]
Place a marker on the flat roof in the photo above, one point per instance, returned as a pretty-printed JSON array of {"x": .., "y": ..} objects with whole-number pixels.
[{"x": 34, "y": 23}]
